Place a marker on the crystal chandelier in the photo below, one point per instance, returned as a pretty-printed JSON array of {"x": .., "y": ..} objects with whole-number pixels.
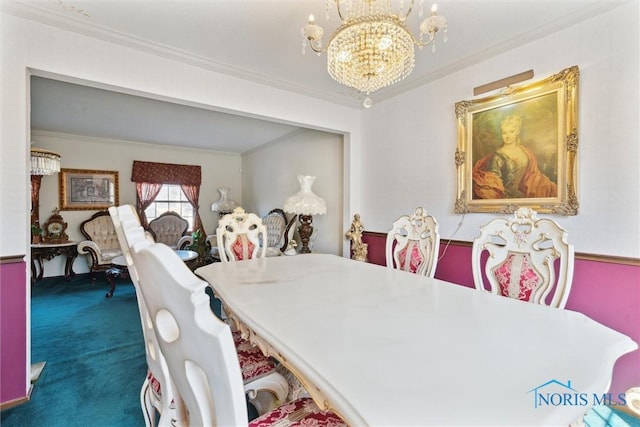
[{"x": 373, "y": 47}]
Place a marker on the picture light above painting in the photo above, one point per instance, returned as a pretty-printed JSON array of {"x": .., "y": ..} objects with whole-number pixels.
[{"x": 519, "y": 148}]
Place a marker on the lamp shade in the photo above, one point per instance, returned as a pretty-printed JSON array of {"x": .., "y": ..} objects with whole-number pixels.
[
  {"x": 224, "y": 203},
  {"x": 305, "y": 202},
  {"x": 44, "y": 162}
]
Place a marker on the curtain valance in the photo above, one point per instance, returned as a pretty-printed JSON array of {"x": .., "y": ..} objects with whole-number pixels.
[{"x": 165, "y": 173}]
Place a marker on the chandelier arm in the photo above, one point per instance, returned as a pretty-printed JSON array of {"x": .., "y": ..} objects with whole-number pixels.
[
  {"x": 432, "y": 37},
  {"x": 339, "y": 10},
  {"x": 315, "y": 49},
  {"x": 408, "y": 11}
]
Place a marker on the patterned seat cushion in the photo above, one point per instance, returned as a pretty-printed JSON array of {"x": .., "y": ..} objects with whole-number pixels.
[
  {"x": 301, "y": 412},
  {"x": 253, "y": 362}
]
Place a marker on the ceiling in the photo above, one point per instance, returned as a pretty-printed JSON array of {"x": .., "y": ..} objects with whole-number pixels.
[{"x": 258, "y": 40}]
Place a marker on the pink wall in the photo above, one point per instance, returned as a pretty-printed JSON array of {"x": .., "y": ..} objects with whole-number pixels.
[
  {"x": 13, "y": 331},
  {"x": 606, "y": 292}
]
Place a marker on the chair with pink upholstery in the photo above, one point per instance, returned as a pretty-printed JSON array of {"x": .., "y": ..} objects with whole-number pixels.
[
  {"x": 525, "y": 258},
  {"x": 413, "y": 244},
  {"x": 200, "y": 354},
  {"x": 240, "y": 235}
]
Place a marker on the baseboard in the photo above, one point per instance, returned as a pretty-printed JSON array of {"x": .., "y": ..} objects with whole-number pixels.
[
  {"x": 36, "y": 370},
  {"x": 34, "y": 376}
]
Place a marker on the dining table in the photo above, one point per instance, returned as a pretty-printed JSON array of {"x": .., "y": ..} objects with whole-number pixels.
[{"x": 384, "y": 347}]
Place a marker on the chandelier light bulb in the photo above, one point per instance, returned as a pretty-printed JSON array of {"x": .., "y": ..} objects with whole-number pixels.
[{"x": 367, "y": 102}]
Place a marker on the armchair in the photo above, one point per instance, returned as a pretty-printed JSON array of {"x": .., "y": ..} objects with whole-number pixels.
[
  {"x": 168, "y": 228},
  {"x": 279, "y": 231},
  {"x": 102, "y": 244}
]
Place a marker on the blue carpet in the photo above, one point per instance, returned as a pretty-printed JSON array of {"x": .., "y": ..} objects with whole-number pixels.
[{"x": 95, "y": 356}]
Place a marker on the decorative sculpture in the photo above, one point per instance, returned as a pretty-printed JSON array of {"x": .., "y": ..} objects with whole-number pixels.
[{"x": 358, "y": 248}]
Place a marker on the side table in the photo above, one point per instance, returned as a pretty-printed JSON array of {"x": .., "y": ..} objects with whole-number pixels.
[
  {"x": 47, "y": 251},
  {"x": 119, "y": 269}
]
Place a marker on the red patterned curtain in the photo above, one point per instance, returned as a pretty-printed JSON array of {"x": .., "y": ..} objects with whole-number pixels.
[
  {"x": 193, "y": 195},
  {"x": 145, "y": 193},
  {"x": 150, "y": 176}
]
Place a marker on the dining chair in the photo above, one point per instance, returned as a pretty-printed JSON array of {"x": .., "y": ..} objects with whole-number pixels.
[
  {"x": 525, "y": 258},
  {"x": 413, "y": 244},
  {"x": 200, "y": 353},
  {"x": 264, "y": 386},
  {"x": 240, "y": 235},
  {"x": 156, "y": 395}
]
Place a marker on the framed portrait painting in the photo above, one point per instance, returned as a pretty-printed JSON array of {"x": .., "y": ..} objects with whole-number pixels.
[
  {"x": 519, "y": 148},
  {"x": 82, "y": 189}
]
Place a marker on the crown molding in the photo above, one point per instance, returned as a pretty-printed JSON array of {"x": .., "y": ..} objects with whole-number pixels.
[{"x": 74, "y": 22}]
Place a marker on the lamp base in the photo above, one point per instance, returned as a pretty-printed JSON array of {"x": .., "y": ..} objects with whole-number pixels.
[{"x": 305, "y": 230}]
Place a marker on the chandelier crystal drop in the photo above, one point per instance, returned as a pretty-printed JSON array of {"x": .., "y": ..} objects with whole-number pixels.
[{"x": 373, "y": 47}]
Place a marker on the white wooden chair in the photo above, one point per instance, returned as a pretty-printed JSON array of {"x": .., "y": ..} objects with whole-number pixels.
[
  {"x": 526, "y": 258},
  {"x": 200, "y": 353},
  {"x": 413, "y": 244},
  {"x": 264, "y": 386},
  {"x": 156, "y": 396},
  {"x": 240, "y": 235}
]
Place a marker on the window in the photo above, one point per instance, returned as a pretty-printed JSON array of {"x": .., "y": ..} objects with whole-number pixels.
[{"x": 170, "y": 198}]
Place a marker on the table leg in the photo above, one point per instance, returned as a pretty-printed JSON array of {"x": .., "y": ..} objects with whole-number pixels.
[
  {"x": 68, "y": 267},
  {"x": 41, "y": 265},
  {"x": 33, "y": 270},
  {"x": 113, "y": 273},
  {"x": 111, "y": 278}
]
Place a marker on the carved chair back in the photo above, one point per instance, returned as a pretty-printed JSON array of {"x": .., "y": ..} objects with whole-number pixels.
[
  {"x": 239, "y": 236},
  {"x": 524, "y": 257},
  {"x": 413, "y": 244}
]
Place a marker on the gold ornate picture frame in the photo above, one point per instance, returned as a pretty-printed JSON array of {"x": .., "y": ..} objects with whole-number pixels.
[
  {"x": 82, "y": 189},
  {"x": 519, "y": 148}
]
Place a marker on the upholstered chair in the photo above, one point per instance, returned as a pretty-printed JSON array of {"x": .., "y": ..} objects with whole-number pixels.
[
  {"x": 413, "y": 244},
  {"x": 525, "y": 258},
  {"x": 200, "y": 352},
  {"x": 279, "y": 231},
  {"x": 168, "y": 228},
  {"x": 102, "y": 245}
]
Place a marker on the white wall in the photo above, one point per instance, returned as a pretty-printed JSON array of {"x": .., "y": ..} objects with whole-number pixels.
[
  {"x": 413, "y": 137},
  {"x": 269, "y": 177},
  {"x": 218, "y": 169},
  {"x": 28, "y": 46}
]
